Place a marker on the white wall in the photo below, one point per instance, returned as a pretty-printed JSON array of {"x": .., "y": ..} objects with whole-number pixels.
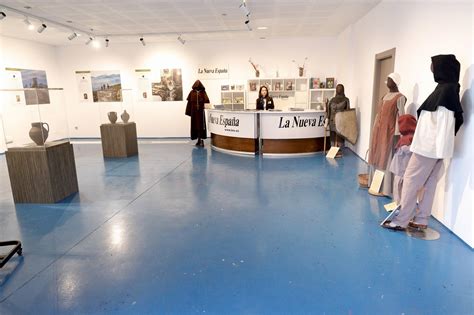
[
  {"x": 417, "y": 30},
  {"x": 167, "y": 119}
]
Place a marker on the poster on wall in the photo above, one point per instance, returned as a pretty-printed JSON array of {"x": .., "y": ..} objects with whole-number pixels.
[
  {"x": 106, "y": 86},
  {"x": 143, "y": 84},
  {"x": 84, "y": 84},
  {"x": 13, "y": 81},
  {"x": 170, "y": 87},
  {"x": 35, "y": 80}
]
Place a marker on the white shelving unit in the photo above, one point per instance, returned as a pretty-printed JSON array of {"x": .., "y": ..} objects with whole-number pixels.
[
  {"x": 286, "y": 93},
  {"x": 318, "y": 97},
  {"x": 233, "y": 96}
]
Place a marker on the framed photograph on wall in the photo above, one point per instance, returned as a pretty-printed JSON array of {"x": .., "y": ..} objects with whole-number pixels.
[
  {"x": 329, "y": 83},
  {"x": 106, "y": 86},
  {"x": 170, "y": 88}
]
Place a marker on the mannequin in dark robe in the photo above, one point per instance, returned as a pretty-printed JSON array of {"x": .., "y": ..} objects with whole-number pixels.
[
  {"x": 338, "y": 103},
  {"x": 195, "y": 109}
]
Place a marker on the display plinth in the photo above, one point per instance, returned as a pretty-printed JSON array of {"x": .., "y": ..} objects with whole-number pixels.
[
  {"x": 119, "y": 140},
  {"x": 42, "y": 174}
]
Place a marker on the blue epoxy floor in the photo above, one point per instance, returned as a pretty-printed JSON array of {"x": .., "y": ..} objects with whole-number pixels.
[{"x": 181, "y": 230}]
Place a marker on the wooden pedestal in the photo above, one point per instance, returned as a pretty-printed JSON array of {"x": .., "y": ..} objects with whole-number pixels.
[
  {"x": 42, "y": 174},
  {"x": 119, "y": 140}
]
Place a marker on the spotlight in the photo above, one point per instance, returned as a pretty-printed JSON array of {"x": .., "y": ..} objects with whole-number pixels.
[
  {"x": 2, "y": 15},
  {"x": 96, "y": 44},
  {"x": 72, "y": 36},
  {"x": 89, "y": 40},
  {"x": 244, "y": 8},
  {"x": 181, "y": 40},
  {"x": 247, "y": 23},
  {"x": 107, "y": 42},
  {"x": 41, "y": 28},
  {"x": 142, "y": 41},
  {"x": 28, "y": 24}
]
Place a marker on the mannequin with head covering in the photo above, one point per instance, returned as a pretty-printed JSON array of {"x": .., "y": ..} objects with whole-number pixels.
[
  {"x": 337, "y": 104},
  {"x": 385, "y": 134},
  {"x": 195, "y": 109},
  {"x": 439, "y": 119}
]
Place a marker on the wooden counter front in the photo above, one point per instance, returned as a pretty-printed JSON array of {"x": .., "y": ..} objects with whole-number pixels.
[{"x": 243, "y": 145}]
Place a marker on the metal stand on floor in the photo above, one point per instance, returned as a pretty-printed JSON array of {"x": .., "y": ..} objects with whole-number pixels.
[
  {"x": 16, "y": 249},
  {"x": 427, "y": 234}
]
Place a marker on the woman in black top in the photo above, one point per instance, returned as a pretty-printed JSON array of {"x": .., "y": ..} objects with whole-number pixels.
[{"x": 264, "y": 101}]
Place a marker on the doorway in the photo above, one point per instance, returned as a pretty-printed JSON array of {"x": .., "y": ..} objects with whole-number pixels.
[{"x": 384, "y": 65}]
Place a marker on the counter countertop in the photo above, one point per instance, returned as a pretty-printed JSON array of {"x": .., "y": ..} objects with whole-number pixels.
[{"x": 253, "y": 111}]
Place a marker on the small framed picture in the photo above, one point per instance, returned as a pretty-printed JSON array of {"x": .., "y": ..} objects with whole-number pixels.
[
  {"x": 86, "y": 97},
  {"x": 316, "y": 82},
  {"x": 18, "y": 98},
  {"x": 224, "y": 88},
  {"x": 253, "y": 86},
  {"x": 145, "y": 95},
  {"x": 322, "y": 85},
  {"x": 329, "y": 83}
]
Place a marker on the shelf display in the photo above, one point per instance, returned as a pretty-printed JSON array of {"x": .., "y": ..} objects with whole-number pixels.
[
  {"x": 318, "y": 98},
  {"x": 286, "y": 92},
  {"x": 233, "y": 96}
]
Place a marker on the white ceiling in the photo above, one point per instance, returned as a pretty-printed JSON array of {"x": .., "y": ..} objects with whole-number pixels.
[{"x": 125, "y": 20}]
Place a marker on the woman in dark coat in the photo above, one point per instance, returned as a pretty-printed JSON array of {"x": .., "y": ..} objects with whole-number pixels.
[
  {"x": 264, "y": 101},
  {"x": 195, "y": 109}
]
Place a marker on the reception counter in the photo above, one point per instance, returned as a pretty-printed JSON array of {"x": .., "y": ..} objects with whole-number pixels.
[{"x": 267, "y": 132}]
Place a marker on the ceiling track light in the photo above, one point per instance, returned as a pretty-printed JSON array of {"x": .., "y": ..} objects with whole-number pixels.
[
  {"x": 89, "y": 40},
  {"x": 107, "y": 42},
  {"x": 2, "y": 15},
  {"x": 142, "y": 41},
  {"x": 41, "y": 28},
  {"x": 72, "y": 36},
  {"x": 181, "y": 40},
  {"x": 28, "y": 24},
  {"x": 247, "y": 23},
  {"x": 244, "y": 8}
]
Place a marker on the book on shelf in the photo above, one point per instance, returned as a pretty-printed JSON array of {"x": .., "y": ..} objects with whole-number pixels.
[{"x": 315, "y": 83}]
